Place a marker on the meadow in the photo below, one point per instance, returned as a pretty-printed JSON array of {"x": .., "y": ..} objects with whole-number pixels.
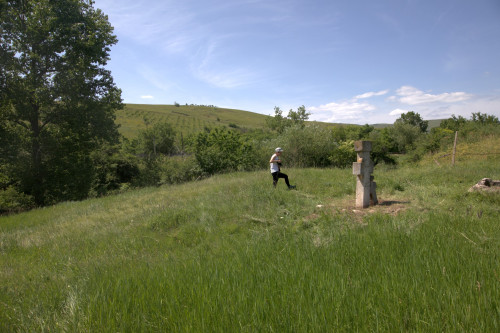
[
  {"x": 185, "y": 119},
  {"x": 230, "y": 253}
]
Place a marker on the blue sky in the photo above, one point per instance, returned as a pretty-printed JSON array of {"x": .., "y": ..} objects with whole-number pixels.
[{"x": 347, "y": 61}]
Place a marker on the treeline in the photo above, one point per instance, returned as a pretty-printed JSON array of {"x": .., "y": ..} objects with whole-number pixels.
[{"x": 160, "y": 156}]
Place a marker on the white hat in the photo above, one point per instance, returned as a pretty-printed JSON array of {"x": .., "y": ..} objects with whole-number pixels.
[{"x": 278, "y": 150}]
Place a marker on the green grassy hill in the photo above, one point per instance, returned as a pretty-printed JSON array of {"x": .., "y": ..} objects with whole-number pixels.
[
  {"x": 185, "y": 119},
  {"x": 230, "y": 253},
  {"x": 188, "y": 119}
]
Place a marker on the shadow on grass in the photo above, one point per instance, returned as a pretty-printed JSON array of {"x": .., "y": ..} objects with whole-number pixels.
[{"x": 392, "y": 202}]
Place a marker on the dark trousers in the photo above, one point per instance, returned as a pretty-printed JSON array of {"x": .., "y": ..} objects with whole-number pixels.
[{"x": 277, "y": 175}]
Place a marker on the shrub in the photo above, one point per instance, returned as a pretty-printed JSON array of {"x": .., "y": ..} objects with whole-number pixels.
[
  {"x": 222, "y": 150},
  {"x": 343, "y": 155},
  {"x": 306, "y": 146},
  {"x": 12, "y": 201},
  {"x": 156, "y": 140},
  {"x": 113, "y": 168},
  {"x": 178, "y": 169}
]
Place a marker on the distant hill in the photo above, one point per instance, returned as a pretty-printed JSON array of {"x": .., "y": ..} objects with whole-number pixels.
[
  {"x": 185, "y": 119},
  {"x": 188, "y": 119}
]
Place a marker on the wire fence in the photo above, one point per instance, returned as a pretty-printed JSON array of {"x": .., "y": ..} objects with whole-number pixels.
[{"x": 455, "y": 154}]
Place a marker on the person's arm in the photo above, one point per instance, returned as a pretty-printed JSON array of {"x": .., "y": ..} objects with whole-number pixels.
[{"x": 272, "y": 160}]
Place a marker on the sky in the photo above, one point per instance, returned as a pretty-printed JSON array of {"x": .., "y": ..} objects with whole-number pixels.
[{"x": 346, "y": 61}]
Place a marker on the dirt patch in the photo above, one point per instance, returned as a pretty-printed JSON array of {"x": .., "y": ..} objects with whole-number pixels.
[{"x": 389, "y": 207}]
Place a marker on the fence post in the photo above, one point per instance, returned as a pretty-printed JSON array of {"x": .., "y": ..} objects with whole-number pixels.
[{"x": 454, "y": 149}]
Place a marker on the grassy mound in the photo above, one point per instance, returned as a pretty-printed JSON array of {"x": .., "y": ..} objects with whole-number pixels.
[{"x": 231, "y": 253}]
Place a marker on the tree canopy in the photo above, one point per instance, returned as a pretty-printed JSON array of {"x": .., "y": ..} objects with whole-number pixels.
[
  {"x": 413, "y": 119},
  {"x": 57, "y": 98}
]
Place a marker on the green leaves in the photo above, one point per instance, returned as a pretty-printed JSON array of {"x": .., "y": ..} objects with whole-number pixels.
[
  {"x": 223, "y": 150},
  {"x": 56, "y": 94},
  {"x": 159, "y": 139},
  {"x": 280, "y": 122}
]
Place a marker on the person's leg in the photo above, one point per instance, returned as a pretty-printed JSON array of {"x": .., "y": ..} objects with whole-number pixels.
[
  {"x": 285, "y": 176},
  {"x": 275, "y": 178}
]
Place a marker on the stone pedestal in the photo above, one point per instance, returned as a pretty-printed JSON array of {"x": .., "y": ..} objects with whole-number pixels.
[{"x": 363, "y": 168}]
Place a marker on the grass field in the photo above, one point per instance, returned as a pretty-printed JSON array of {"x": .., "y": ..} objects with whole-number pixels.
[
  {"x": 185, "y": 119},
  {"x": 188, "y": 119},
  {"x": 230, "y": 253}
]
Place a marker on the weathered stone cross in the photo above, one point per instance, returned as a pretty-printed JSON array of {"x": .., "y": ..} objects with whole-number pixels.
[{"x": 363, "y": 168}]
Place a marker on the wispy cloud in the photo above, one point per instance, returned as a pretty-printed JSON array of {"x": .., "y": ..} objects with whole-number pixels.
[
  {"x": 147, "y": 97},
  {"x": 154, "y": 77},
  {"x": 206, "y": 40},
  {"x": 209, "y": 67},
  {"x": 371, "y": 94},
  {"x": 413, "y": 96},
  {"x": 168, "y": 25}
]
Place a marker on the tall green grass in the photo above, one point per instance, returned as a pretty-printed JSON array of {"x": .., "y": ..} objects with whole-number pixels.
[{"x": 230, "y": 253}]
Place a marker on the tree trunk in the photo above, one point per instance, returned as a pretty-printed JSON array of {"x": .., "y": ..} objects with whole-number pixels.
[{"x": 36, "y": 157}]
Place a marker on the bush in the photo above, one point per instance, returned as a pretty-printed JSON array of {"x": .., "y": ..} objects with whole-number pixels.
[
  {"x": 306, "y": 146},
  {"x": 222, "y": 150},
  {"x": 343, "y": 155},
  {"x": 112, "y": 169},
  {"x": 156, "y": 140},
  {"x": 178, "y": 169},
  {"x": 12, "y": 201}
]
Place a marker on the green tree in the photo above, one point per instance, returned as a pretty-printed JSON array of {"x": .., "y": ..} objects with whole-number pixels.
[
  {"x": 299, "y": 117},
  {"x": 483, "y": 118},
  {"x": 343, "y": 155},
  {"x": 222, "y": 150},
  {"x": 405, "y": 136},
  {"x": 306, "y": 146},
  {"x": 158, "y": 139},
  {"x": 454, "y": 123},
  {"x": 57, "y": 98},
  {"x": 413, "y": 119},
  {"x": 278, "y": 122}
]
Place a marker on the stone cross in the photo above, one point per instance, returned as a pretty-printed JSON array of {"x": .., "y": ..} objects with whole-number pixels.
[{"x": 363, "y": 168}]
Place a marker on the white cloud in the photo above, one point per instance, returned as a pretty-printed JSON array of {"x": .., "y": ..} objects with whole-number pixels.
[
  {"x": 339, "y": 112},
  {"x": 412, "y": 96},
  {"x": 484, "y": 104},
  {"x": 371, "y": 94},
  {"x": 397, "y": 112},
  {"x": 147, "y": 97}
]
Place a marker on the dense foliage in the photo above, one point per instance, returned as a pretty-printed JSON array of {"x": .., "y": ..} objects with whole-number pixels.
[{"x": 57, "y": 98}]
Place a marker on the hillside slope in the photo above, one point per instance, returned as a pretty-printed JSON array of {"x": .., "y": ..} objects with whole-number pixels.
[
  {"x": 185, "y": 119},
  {"x": 230, "y": 253},
  {"x": 188, "y": 119}
]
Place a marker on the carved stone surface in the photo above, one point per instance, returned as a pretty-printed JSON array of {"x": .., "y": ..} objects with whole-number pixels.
[{"x": 363, "y": 168}]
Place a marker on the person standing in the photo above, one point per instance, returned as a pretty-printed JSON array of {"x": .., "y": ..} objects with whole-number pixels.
[{"x": 275, "y": 163}]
